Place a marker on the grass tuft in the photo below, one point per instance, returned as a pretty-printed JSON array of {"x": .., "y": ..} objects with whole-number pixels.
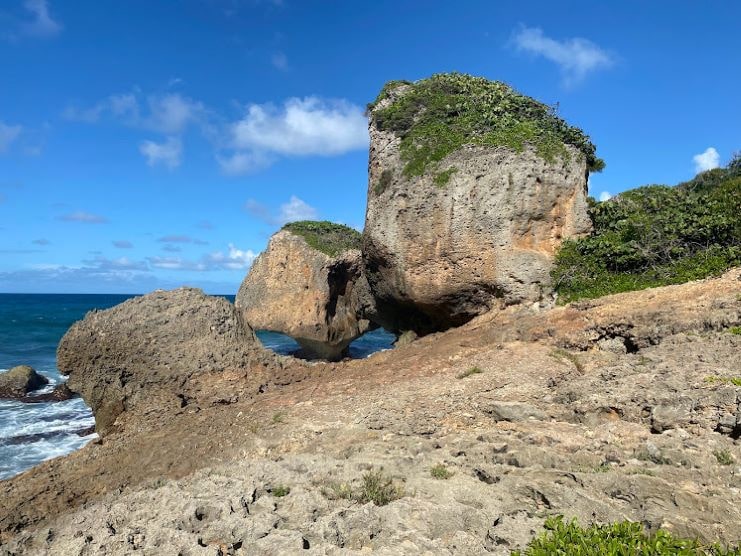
[
  {"x": 441, "y": 472},
  {"x": 469, "y": 372}
]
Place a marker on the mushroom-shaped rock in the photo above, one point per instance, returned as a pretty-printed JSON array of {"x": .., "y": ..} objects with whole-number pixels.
[
  {"x": 19, "y": 381},
  {"x": 129, "y": 354},
  {"x": 472, "y": 188},
  {"x": 309, "y": 284}
]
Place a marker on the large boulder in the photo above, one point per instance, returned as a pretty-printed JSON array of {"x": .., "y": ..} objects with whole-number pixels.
[
  {"x": 19, "y": 381},
  {"x": 472, "y": 188},
  {"x": 125, "y": 355},
  {"x": 309, "y": 284}
]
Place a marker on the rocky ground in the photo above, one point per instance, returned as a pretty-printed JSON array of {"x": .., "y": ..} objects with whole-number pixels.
[{"x": 619, "y": 408}]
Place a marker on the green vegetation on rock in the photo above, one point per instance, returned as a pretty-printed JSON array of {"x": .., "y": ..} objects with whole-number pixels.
[
  {"x": 435, "y": 117},
  {"x": 326, "y": 237},
  {"x": 654, "y": 236},
  {"x": 617, "y": 539}
]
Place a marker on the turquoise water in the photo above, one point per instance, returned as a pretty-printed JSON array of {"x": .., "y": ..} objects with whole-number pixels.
[{"x": 31, "y": 326}]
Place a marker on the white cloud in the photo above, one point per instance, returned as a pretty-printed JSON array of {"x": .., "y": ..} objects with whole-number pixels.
[
  {"x": 706, "y": 160},
  {"x": 241, "y": 163},
  {"x": 84, "y": 217},
  {"x": 296, "y": 209},
  {"x": 8, "y": 134},
  {"x": 576, "y": 57},
  {"x": 169, "y": 153},
  {"x": 291, "y": 211},
  {"x": 171, "y": 113},
  {"x": 308, "y": 126},
  {"x": 235, "y": 259},
  {"x": 42, "y": 25},
  {"x": 605, "y": 196}
]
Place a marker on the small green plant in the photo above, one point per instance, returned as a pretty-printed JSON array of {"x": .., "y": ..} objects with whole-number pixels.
[
  {"x": 441, "y": 472},
  {"x": 735, "y": 330},
  {"x": 442, "y": 178},
  {"x": 326, "y": 237},
  {"x": 735, "y": 380},
  {"x": 469, "y": 372},
  {"x": 280, "y": 491},
  {"x": 278, "y": 417},
  {"x": 375, "y": 486},
  {"x": 625, "y": 538},
  {"x": 724, "y": 457},
  {"x": 378, "y": 488}
]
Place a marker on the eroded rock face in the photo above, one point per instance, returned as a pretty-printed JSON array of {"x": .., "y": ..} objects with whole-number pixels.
[
  {"x": 438, "y": 254},
  {"x": 19, "y": 381},
  {"x": 122, "y": 356},
  {"x": 321, "y": 301}
]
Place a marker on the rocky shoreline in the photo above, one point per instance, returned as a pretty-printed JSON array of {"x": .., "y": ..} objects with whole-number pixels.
[{"x": 560, "y": 419}]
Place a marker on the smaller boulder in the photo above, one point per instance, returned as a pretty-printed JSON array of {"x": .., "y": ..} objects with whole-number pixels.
[
  {"x": 19, "y": 381},
  {"x": 60, "y": 393},
  {"x": 310, "y": 285}
]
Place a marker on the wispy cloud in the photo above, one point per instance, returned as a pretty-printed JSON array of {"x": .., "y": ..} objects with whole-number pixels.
[
  {"x": 84, "y": 217},
  {"x": 233, "y": 259},
  {"x": 8, "y": 134},
  {"x": 706, "y": 160},
  {"x": 41, "y": 241},
  {"x": 293, "y": 210},
  {"x": 42, "y": 25},
  {"x": 168, "y": 153},
  {"x": 605, "y": 196},
  {"x": 205, "y": 225},
  {"x": 181, "y": 239},
  {"x": 576, "y": 57},
  {"x": 122, "y": 244},
  {"x": 279, "y": 61}
]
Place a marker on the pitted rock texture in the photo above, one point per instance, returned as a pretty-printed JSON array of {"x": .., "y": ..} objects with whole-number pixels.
[
  {"x": 322, "y": 302},
  {"x": 151, "y": 346},
  {"x": 548, "y": 426},
  {"x": 438, "y": 255}
]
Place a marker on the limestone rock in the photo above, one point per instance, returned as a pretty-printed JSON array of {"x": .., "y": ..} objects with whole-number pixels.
[
  {"x": 19, "y": 381},
  {"x": 118, "y": 357},
  {"x": 477, "y": 229},
  {"x": 315, "y": 294}
]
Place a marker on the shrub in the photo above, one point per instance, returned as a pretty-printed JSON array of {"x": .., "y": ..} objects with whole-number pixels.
[
  {"x": 724, "y": 457},
  {"x": 654, "y": 236},
  {"x": 441, "y": 472},
  {"x": 435, "y": 117},
  {"x": 617, "y": 539},
  {"x": 326, "y": 237},
  {"x": 280, "y": 491},
  {"x": 378, "y": 488}
]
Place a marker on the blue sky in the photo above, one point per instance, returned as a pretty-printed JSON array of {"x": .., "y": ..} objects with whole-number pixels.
[{"x": 148, "y": 144}]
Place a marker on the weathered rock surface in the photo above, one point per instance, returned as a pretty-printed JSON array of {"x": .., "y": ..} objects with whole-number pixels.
[
  {"x": 553, "y": 424},
  {"x": 322, "y": 301},
  {"x": 439, "y": 254},
  {"x": 150, "y": 347},
  {"x": 19, "y": 381}
]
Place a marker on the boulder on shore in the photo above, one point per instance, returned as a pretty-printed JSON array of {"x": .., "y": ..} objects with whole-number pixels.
[
  {"x": 309, "y": 284},
  {"x": 119, "y": 357},
  {"x": 472, "y": 189},
  {"x": 19, "y": 381}
]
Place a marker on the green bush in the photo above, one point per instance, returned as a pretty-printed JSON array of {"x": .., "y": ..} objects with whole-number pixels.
[
  {"x": 618, "y": 539},
  {"x": 655, "y": 235},
  {"x": 326, "y": 237},
  {"x": 437, "y": 116}
]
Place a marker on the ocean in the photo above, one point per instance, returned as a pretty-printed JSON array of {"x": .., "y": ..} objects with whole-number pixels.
[{"x": 31, "y": 326}]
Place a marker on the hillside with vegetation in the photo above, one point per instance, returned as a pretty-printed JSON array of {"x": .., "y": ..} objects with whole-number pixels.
[{"x": 656, "y": 235}]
